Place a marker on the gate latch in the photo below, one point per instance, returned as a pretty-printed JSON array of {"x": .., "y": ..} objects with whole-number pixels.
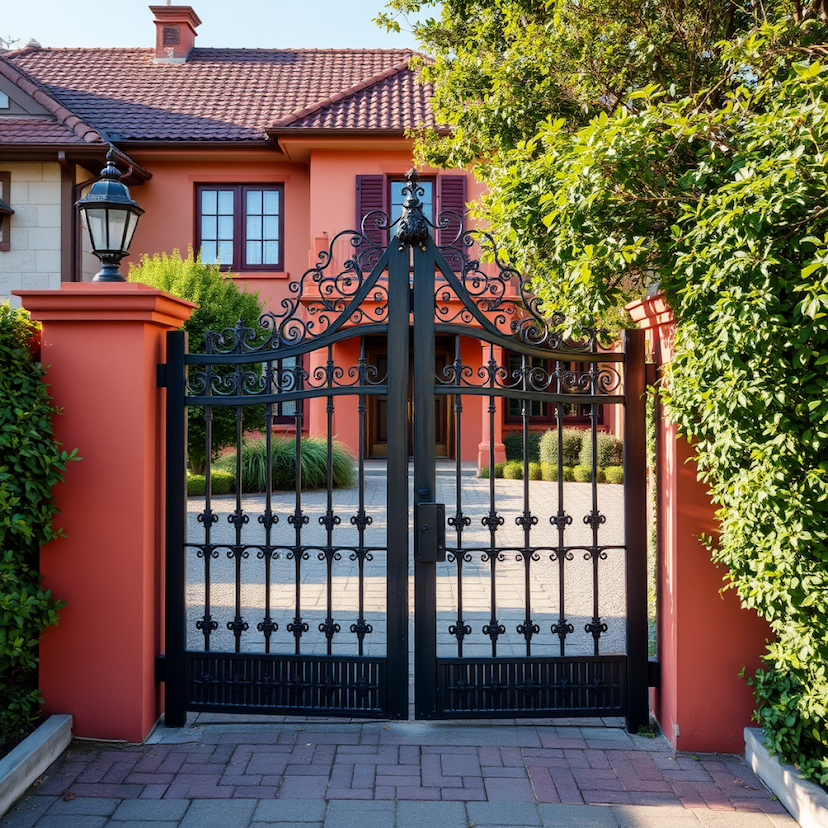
[{"x": 431, "y": 532}]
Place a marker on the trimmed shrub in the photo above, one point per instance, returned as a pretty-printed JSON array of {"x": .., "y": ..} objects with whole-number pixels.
[
  {"x": 600, "y": 476},
  {"x": 513, "y": 470},
  {"x": 513, "y": 441},
  {"x": 610, "y": 450},
  {"x": 224, "y": 482},
  {"x": 313, "y": 459},
  {"x": 31, "y": 464},
  {"x": 220, "y": 305},
  {"x": 483, "y": 473},
  {"x": 572, "y": 443},
  {"x": 196, "y": 485},
  {"x": 549, "y": 471},
  {"x": 535, "y": 471},
  {"x": 568, "y": 474},
  {"x": 582, "y": 474},
  {"x": 499, "y": 468},
  {"x": 614, "y": 474}
]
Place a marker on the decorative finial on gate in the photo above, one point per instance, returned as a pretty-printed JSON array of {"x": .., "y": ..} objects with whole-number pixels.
[{"x": 412, "y": 227}]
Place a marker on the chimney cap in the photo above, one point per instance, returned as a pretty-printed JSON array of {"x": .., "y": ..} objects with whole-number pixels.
[{"x": 181, "y": 14}]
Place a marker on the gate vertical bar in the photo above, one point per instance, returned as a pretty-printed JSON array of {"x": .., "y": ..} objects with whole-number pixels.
[
  {"x": 635, "y": 529},
  {"x": 176, "y": 531},
  {"x": 397, "y": 481},
  {"x": 425, "y": 574}
]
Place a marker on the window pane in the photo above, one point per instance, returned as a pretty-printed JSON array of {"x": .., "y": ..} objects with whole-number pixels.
[
  {"x": 225, "y": 228},
  {"x": 271, "y": 227},
  {"x": 209, "y": 252},
  {"x": 514, "y": 408},
  {"x": 209, "y": 202},
  {"x": 428, "y": 199},
  {"x": 254, "y": 227},
  {"x": 225, "y": 202},
  {"x": 254, "y": 253},
  {"x": 271, "y": 202},
  {"x": 254, "y": 201},
  {"x": 225, "y": 252},
  {"x": 396, "y": 199},
  {"x": 289, "y": 408},
  {"x": 209, "y": 227},
  {"x": 271, "y": 252}
]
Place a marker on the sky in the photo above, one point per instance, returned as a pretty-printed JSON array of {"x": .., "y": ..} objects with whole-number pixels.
[{"x": 285, "y": 24}]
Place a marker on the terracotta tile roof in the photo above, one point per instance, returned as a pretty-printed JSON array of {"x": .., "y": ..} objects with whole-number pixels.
[
  {"x": 33, "y": 130},
  {"x": 63, "y": 127},
  {"x": 391, "y": 100},
  {"x": 228, "y": 94}
]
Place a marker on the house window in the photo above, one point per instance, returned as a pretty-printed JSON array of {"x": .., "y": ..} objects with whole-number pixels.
[
  {"x": 4, "y": 101},
  {"x": 574, "y": 413},
  {"x": 285, "y": 378},
  {"x": 241, "y": 227},
  {"x": 396, "y": 197},
  {"x": 5, "y": 211}
]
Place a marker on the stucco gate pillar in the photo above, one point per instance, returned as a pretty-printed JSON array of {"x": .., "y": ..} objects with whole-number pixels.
[
  {"x": 101, "y": 344},
  {"x": 705, "y": 637}
]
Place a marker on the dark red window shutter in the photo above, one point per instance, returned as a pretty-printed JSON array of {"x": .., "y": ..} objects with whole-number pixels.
[
  {"x": 452, "y": 194},
  {"x": 371, "y": 196}
]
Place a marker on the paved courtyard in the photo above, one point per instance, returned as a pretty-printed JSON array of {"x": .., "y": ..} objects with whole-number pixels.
[{"x": 395, "y": 775}]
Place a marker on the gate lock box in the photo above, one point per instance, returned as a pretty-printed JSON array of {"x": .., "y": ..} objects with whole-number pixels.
[{"x": 431, "y": 532}]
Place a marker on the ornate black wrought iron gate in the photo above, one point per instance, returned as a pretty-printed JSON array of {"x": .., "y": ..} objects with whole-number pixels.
[{"x": 270, "y": 611}]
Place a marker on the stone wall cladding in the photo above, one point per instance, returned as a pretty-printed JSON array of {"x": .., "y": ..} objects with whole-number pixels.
[{"x": 34, "y": 259}]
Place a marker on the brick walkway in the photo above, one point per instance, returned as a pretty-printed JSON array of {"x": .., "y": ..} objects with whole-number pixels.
[{"x": 410, "y": 774}]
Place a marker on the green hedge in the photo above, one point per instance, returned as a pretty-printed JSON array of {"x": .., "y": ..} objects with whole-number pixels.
[
  {"x": 31, "y": 463},
  {"x": 572, "y": 444},
  {"x": 513, "y": 441},
  {"x": 513, "y": 470},
  {"x": 224, "y": 482},
  {"x": 610, "y": 450}
]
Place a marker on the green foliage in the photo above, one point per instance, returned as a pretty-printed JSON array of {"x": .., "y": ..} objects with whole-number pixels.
[
  {"x": 549, "y": 471},
  {"x": 582, "y": 474},
  {"x": 483, "y": 473},
  {"x": 716, "y": 191},
  {"x": 31, "y": 463},
  {"x": 513, "y": 470},
  {"x": 224, "y": 482},
  {"x": 513, "y": 441},
  {"x": 610, "y": 450},
  {"x": 500, "y": 469},
  {"x": 220, "y": 305},
  {"x": 313, "y": 464},
  {"x": 614, "y": 474},
  {"x": 572, "y": 442},
  {"x": 568, "y": 474},
  {"x": 535, "y": 471}
]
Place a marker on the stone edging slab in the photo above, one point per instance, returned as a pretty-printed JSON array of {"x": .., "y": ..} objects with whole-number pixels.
[
  {"x": 31, "y": 757},
  {"x": 806, "y": 801}
]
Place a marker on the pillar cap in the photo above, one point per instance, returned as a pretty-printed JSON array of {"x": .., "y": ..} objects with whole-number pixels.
[{"x": 115, "y": 302}]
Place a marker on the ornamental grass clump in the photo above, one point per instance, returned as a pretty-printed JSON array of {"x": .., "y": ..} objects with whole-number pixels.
[
  {"x": 31, "y": 463},
  {"x": 313, "y": 464}
]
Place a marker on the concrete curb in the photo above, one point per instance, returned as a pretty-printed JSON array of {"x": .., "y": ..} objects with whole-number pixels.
[
  {"x": 806, "y": 801},
  {"x": 31, "y": 757}
]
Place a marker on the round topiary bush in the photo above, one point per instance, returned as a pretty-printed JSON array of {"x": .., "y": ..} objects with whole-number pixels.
[
  {"x": 513, "y": 470},
  {"x": 549, "y": 471},
  {"x": 568, "y": 473},
  {"x": 610, "y": 451},
  {"x": 535, "y": 471},
  {"x": 224, "y": 482},
  {"x": 196, "y": 485},
  {"x": 582, "y": 474},
  {"x": 499, "y": 467},
  {"x": 614, "y": 474},
  {"x": 573, "y": 439}
]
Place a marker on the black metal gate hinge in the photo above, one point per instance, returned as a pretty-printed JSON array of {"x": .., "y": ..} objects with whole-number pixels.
[
  {"x": 160, "y": 669},
  {"x": 161, "y": 375}
]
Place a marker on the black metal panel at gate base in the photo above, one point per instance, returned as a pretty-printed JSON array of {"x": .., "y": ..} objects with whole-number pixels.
[{"x": 410, "y": 295}]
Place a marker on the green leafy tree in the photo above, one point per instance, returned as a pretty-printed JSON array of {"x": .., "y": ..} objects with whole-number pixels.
[
  {"x": 715, "y": 191},
  {"x": 31, "y": 463},
  {"x": 220, "y": 305}
]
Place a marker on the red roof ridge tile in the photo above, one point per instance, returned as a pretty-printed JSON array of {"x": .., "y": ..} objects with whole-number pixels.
[
  {"x": 51, "y": 103},
  {"x": 372, "y": 80}
]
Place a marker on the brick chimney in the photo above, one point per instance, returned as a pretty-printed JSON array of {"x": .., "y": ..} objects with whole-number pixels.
[{"x": 175, "y": 32}]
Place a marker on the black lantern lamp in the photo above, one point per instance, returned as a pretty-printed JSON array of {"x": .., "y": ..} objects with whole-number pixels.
[{"x": 110, "y": 217}]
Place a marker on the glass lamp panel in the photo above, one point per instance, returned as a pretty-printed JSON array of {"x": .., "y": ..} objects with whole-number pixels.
[
  {"x": 117, "y": 219},
  {"x": 271, "y": 252},
  {"x": 254, "y": 202},
  {"x": 132, "y": 223},
  {"x": 271, "y": 202},
  {"x": 254, "y": 252},
  {"x": 96, "y": 224}
]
